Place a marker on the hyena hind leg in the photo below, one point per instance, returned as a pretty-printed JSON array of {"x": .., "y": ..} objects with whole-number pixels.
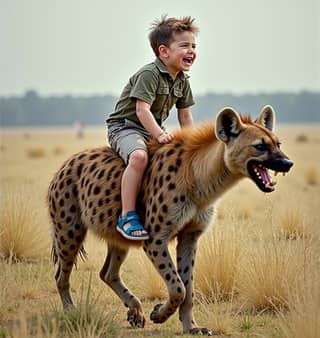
[{"x": 110, "y": 274}]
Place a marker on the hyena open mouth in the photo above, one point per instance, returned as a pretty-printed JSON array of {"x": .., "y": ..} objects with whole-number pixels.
[{"x": 259, "y": 172}]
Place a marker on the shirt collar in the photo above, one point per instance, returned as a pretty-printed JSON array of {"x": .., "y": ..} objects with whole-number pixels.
[{"x": 163, "y": 69}]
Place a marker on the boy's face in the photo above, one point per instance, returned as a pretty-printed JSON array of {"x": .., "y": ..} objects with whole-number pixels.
[{"x": 181, "y": 54}]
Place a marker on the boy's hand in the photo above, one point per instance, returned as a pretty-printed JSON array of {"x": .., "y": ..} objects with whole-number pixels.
[{"x": 165, "y": 137}]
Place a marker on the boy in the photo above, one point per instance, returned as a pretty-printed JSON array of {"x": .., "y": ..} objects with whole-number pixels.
[{"x": 145, "y": 103}]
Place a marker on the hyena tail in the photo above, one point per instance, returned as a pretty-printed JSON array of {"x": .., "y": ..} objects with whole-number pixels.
[{"x": 54, "y": 255}]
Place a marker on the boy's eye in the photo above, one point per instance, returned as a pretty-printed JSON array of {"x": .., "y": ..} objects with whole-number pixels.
[{"x": 261, "y": 147}]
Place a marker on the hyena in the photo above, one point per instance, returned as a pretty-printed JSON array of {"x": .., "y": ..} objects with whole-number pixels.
[{"x": 181, "y": 184}]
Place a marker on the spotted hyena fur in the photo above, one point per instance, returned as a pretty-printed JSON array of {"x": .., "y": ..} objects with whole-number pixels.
[{"x": 181, "y": 183}]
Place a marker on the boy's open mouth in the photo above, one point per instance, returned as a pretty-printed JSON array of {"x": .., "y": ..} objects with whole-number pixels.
[{"x": 188, "y": 61}]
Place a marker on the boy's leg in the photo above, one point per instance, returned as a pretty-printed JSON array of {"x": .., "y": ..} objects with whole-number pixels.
[
  {"x": 131, "y": 183},
  {"x": 129, "y": 140}
]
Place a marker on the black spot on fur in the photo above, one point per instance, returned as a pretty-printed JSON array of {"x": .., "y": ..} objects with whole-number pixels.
[
  {"x": 54, "y": 207},
  {"x": 75, "y": 191},
  {"x": 70, "y": 234},
  {"x": 170, "y": 152},
  {"x": 90, "y": 188},
  {"x": 93, "y": 167},
  {"x": 93, "y": 156},
  {"x": 101, "y": 174},
  {"x": 171, "y": 186},
  {"x": 165, "y": 208},
  {"x": 101, "y": 217},
  {"x": 97, "y": 190},
  {"x": 61, "y": 175},
  {"x": 79, "y": 169}
]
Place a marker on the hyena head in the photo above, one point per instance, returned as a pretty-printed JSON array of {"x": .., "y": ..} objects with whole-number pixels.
[{"x": 251, "y": 148}]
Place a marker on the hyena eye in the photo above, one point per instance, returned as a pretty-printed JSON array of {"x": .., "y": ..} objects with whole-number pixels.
[{"x": 261, "y": 147}]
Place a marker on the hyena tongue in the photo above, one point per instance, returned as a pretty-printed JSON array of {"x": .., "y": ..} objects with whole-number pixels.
[{"x": 265, "y": 176}]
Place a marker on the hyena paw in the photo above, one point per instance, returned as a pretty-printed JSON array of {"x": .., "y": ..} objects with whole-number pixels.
[
  {"x": 201, "y": 331},
  {"x": 135, "y": 318},
  {"x": 156, "y": 315}
]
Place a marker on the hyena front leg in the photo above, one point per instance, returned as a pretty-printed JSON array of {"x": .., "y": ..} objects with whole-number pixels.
[
  {"x": 186, "y": 252},
  {"x": 157, "y": 251},
  {"x": 110, "y": 275}
]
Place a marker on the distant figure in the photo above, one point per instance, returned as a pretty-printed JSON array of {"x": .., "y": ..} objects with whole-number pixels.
[{"x": 79, "y": 129}]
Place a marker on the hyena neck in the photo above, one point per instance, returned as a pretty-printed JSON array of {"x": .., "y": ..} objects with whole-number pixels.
[{"x": 211, "y": 176}]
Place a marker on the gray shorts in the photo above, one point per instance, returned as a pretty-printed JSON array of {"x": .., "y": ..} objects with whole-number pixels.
[{"x": 126, "y": 136}]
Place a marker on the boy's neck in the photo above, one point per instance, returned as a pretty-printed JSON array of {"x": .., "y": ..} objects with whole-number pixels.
[{"x": 173, "y": 74}]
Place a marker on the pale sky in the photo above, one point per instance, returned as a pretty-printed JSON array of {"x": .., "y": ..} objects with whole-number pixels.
[{"x": 80, "y": 47}]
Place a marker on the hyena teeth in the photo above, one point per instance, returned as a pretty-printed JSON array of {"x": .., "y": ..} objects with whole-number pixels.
[{"x": 283, "y": 174}]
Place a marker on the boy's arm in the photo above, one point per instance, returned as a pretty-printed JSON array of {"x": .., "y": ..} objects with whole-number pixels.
[
  {"x": 149, "y": 122},
  {"x": 185, "y": 117}
]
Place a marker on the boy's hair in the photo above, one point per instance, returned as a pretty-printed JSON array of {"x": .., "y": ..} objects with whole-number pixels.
[{"x": 162, "y": 30}]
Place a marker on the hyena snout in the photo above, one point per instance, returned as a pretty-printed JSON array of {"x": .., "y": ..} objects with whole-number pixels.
[{"x": 280, "y": 164}]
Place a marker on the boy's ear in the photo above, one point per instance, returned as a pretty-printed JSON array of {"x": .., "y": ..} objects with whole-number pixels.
[
  {"x": 228, "y": 124},
  {"x": 163, "y": 51},
  {"x": 267, "y": 117}
]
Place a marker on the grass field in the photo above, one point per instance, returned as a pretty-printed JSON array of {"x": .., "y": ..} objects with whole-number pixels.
[{"x": 257, "y": 270}]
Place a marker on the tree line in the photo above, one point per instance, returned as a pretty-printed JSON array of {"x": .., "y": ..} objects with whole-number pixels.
[{"x": 32, "y": 109}]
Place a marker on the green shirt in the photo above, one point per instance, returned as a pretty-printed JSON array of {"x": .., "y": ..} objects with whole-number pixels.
[{"x": 153, "y": 85}]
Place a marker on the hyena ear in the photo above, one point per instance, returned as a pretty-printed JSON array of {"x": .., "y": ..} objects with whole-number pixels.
[
  {"x": 267, "y": 117},
  {"x": 228, "y": 124}
]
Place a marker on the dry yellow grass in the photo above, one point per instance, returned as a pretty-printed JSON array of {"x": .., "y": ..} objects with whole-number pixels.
[
  {"x": 268, "y": 270},
  {"x": 262, "y": 253},
  {"x": 21, "y": 235},
  {"x": 217, "y": 261},
  {"x": 303, "y": 317},
  {"x": 36, "y": 152},
  {"x": 312, "y": 175}
]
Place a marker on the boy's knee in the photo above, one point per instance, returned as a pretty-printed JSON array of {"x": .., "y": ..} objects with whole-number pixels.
[{"x": 138, "y": 159}]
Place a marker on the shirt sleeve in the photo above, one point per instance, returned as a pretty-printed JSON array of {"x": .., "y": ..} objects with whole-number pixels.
[
  {"x": 187, "y": 99},
  {"x": 144, "y": 87}
]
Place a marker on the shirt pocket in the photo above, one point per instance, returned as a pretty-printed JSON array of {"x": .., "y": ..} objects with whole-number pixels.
[
  {"x": 160, "y": 100},
  {"x": 163, "y": 91},
  {"x": 177, "y": 92}
]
